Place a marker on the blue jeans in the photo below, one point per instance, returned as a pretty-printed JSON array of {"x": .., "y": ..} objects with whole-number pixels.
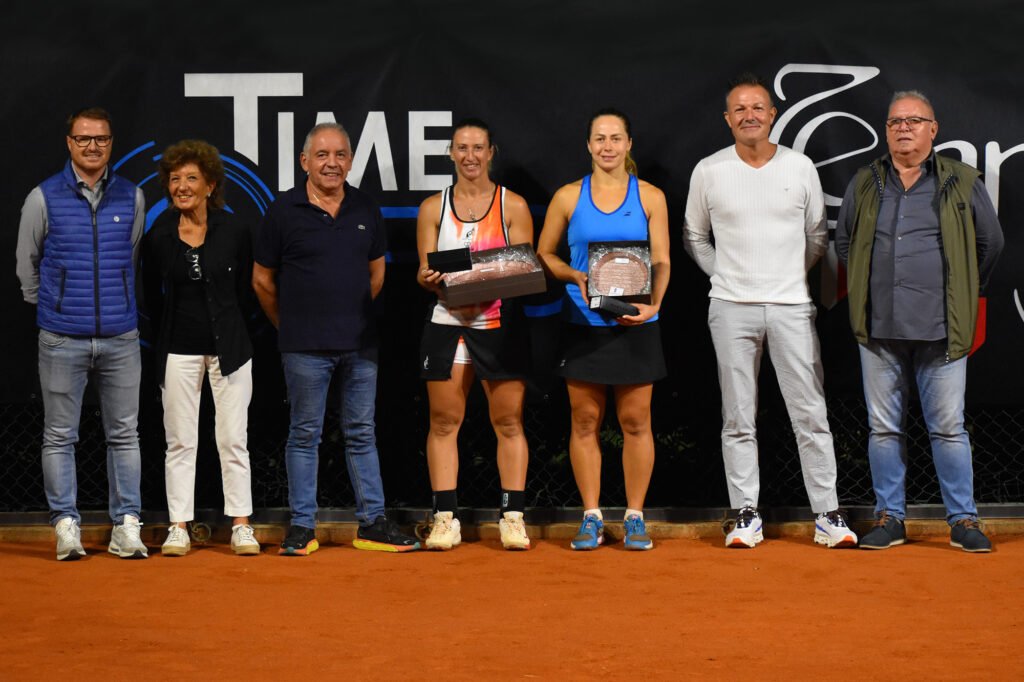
[
  {"x": 889, "y": 367},
  {"x": 308, "y": 376},
  {"x": 66, "y": 364}
]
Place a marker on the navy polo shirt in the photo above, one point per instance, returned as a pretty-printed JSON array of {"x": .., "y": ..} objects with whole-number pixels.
[{"x": 323, "y": 273}]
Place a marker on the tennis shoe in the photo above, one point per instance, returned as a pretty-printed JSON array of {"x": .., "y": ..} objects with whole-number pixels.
[
  {"x": 243, "y": 540},
  {"x": 300, "y": 541},
  {"x": 445, "y": 532},
  {"x": 125, "y": 541},
  {"x": 513, "y": 531},
  {"x": 384, "y": 536},
  {"x": 636, "y": 534},
  {"x": 590, "y": 535},
  {"x": 746, "y": 531},
  {"x": 831, "y": 530},
  {"x": 177, "y": 542},
  {"x": 69, "y": 540}
]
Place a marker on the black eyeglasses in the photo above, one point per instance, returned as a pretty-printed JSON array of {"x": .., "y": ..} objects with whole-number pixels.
[
  {"x": 86, "y": 140},
  {"x": 195, "y": 273},
  {"x": 914, "y": 122}
]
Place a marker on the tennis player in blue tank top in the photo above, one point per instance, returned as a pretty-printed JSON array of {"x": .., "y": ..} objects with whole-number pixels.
[{"x": 610, "y": 204}]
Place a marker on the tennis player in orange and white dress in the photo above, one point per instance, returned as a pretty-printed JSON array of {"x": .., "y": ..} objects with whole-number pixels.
[{"x": 484, "y": 340}]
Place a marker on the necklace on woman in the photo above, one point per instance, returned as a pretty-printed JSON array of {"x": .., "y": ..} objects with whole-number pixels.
[{"x": 469, "y": 205}]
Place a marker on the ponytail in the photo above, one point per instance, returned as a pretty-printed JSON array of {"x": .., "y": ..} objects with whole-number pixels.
[{"x": 631, "y": 164}]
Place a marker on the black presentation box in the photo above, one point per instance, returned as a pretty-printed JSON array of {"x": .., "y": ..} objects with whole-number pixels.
[{"x": 453, "y": 260}]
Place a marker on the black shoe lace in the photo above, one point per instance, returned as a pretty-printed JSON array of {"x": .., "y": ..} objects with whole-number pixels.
[
  {"x": 746, "y": 517},
  {"x": 743, "y": 519},
  {"x": 837, "y": 518}
]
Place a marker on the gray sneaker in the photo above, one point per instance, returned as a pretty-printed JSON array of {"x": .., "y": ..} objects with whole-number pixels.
[
  {"x": 69, "y": 540},
  {"x": 887, "y": 532},
  {"x": 125, "y": 541},
  {"x": 966, "y": 534}
]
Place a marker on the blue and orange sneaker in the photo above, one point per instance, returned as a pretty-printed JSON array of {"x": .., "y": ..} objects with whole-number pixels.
[
  {"x": 384, "y": 536},
  {"x": 636, "y": 534},
  {"x": 300, "y": 541},
  {"x": 590, "y": 534}
]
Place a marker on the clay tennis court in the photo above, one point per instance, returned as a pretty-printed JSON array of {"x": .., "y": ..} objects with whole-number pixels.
[{"x": 690, "y": 609}]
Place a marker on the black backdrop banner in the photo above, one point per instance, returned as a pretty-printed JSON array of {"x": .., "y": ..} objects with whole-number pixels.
[{"x": 253, "y": 77}]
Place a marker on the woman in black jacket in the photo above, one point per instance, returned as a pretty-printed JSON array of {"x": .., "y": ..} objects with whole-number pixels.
[{"x": 196, "y": 272}]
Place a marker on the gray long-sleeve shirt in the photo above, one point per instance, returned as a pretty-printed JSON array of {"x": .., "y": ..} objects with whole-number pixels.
[
  {"x": 907, "y": 282},
  {"x": 34, "y": 225}
]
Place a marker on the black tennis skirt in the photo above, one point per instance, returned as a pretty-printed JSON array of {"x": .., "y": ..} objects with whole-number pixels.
[{"x": 612, "y": 355}]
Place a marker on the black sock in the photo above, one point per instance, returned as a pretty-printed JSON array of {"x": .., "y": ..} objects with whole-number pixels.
[
  {"x": 445, "y": 500},
  {"x": 513, "y": 501}
]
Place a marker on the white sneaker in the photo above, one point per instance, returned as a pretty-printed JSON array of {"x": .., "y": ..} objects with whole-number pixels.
[
  {"x": 69, "y": 540},
  {"x": 746, "y": 529},
  {"x": 445, "y": 532},
  {"x": 513, "y": 531},
  {"x": 830, "y": 529},
  {"x": 177, "y": 542},
  {"x": 243, "y": 540},
  {"x": 125, "y": 541}
]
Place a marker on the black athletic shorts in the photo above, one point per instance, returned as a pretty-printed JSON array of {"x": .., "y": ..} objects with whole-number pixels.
[
  {"x": 612, "y": 355},
  {"x": 497, "y": 354}
]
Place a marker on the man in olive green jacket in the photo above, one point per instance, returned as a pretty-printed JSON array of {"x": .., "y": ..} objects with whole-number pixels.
[{"x": 919, "y": 237}]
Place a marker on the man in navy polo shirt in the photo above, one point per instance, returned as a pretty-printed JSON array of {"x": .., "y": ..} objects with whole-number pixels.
[{"x": 319, "y": 265}]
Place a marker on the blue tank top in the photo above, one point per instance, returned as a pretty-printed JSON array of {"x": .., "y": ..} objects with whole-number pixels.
[{"x": 590, "y": 224}]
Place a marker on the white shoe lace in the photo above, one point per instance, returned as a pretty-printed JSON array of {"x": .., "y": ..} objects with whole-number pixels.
[
  {"x": 442, "y": 526},
  {"x": 244, "y": 535},
  {"x": 515, "y": 525},
  {"x": 131, "y": 526},
  {"x": 67, "y": 531},
  {"x": 176, "y": 535}
]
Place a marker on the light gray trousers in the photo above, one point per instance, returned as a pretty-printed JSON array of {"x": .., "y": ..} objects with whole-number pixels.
[{"x": 739, "y": 332}]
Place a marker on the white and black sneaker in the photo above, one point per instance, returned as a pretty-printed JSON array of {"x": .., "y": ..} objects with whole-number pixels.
[{"x": 745, "y": 531}]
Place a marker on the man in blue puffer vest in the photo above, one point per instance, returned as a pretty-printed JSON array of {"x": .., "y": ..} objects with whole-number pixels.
[{"x": 76, "y": 252}]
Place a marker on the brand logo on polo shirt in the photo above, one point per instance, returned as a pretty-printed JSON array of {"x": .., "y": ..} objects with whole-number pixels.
[{"x": 362, "y": 227}]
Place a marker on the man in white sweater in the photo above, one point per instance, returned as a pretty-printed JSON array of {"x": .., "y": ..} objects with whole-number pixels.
[{"x": 764, "y": 205}]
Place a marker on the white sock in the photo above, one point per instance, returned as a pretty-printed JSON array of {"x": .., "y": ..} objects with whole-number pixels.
[
  {"x": 593, "y": 512},
  {"x": 634, "y": 512}
]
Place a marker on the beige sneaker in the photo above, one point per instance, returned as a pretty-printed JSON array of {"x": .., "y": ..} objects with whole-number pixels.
[
  {"x": 177, "y": 542},
  {"x": 513, "y": 531},
  {"x": 243, "y": 540},
  {"x": 445, "y": 533}
]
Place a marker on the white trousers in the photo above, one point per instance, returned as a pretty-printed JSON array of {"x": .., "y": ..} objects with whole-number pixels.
[
  {"x": 182, "y": 390},
  {"x": 739, "y": 331}
]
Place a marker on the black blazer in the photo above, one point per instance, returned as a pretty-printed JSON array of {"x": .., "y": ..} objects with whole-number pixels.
[{"x": 227, "y": 272}]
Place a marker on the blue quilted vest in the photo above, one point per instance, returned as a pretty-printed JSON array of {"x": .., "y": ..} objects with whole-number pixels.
[{"x": 86, "y": 278}]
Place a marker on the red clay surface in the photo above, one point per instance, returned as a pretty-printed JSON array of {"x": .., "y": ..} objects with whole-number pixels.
[{"x": 690, "y": 609}]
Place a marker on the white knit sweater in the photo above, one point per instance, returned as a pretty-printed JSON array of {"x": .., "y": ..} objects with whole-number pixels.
[{"x": 768, "y": 225}]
